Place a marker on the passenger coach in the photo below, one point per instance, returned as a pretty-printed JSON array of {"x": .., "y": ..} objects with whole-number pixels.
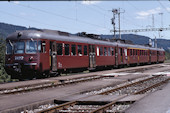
[{"x": 40, "y": 53}]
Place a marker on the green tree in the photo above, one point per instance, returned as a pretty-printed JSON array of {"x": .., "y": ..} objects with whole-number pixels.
[{"x": 4, "y": 77}]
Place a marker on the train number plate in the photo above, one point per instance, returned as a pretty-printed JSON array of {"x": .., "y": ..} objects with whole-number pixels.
[{"x": 19, "y": 57}]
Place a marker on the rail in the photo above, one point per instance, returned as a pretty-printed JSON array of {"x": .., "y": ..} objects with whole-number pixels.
[
  {"x": 105, "y": 107},
  {"x": 39, "y": 86},
  {"x": 127, "y": 85}
]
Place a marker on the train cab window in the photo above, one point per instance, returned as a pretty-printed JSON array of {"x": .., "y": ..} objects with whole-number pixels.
[
  {"x": 59, "y": 49},
  {"x": 112, "y": 51},
  {"x": 73, "y": 50},
  {"x": 9, "y": 48},
  {"x": 39, "y": 46},
  {"x": 31, "y": 46},
  {"x": 109, "y": 54},
  {"x": 101, "y": 51},
  {"x": 66, "y": 49},
  {"x": 79, "y": 50},
  {"x": 85, "y": 50},
  {"x": 105, "y": 51},
  {"x": 19, "y": 47}
]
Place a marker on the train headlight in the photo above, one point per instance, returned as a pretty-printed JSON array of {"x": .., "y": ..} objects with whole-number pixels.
[{"x": 31, "y": 58}]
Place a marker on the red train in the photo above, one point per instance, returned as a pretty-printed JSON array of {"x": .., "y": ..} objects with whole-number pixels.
[{"x": 39, "y": 53}]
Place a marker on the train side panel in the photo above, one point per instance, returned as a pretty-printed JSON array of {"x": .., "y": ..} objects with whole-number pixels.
[
  {"x": 74, "y": 55},
  {"x": 105, "y": 55},
  {"x": 153, "y": 58}
]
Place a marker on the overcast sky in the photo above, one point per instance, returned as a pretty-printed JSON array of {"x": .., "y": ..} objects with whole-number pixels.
[{"x": 88, "y": 16}]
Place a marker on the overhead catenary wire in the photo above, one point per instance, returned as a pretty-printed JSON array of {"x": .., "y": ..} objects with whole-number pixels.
[
  {"x": 163, "y": 6},
  {"x": 69, "y": 18},
  {"x": 32, "y": 20},
  {"x": 58, "y": 15}
]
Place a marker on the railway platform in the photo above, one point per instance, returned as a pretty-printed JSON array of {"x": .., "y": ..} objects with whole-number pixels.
[{"x": 157, "y": 102}]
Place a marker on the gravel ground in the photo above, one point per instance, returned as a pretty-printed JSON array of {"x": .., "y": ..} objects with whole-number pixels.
[{"x": 157, "y": 102}]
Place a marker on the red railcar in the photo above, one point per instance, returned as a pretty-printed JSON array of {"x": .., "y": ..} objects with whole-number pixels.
[{"x": 37, "y": 53}]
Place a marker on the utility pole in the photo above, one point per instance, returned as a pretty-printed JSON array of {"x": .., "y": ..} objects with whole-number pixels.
[
  {"x": 161, "y": 19},
  {"x": 155, "y": 42},
  {"x": 119, "y": 24},
  {"x": 113, "y": 22},
  {"x": 116, "y": 12},
  {"x": 153, "y": 21}
]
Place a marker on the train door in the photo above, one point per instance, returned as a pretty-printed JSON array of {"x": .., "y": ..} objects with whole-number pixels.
[
  {"x": 116, "y": 56},
  {"x": 53, "y": 56},
  {"x": 126, "y": 55},
  {"x": 121, "y": 55},
  {"x": 92, "y": 56}
]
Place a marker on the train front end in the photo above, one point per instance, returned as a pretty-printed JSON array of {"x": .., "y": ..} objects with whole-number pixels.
[{"x": 22, "y": 56}]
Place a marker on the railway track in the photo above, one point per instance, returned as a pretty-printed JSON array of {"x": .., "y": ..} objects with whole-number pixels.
[
  {"x": 116, "y": 105},
  {"x": 57, "y": 83},
  {"x": 62, "y": 82}
]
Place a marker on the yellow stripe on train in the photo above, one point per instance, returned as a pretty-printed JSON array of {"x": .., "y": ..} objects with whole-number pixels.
[{"x": 137, "y": 48}]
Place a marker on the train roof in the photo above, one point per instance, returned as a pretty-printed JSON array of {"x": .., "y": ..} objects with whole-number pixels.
[{"x": 63, "y": 36}]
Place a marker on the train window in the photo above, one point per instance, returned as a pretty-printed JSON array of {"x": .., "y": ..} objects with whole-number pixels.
[
  {"x": 59, "y": 49},
  {"x": 125, "y": 51},
  {"x": 136, "y": 52},
  {"x": 97, "y": 51},
  {"x": 19, "y": 47},
  {"x": 112, "y": 51},
  {"x": 9, "y": 48},
  {"x": 121, "y": 52},
  {"x": 79, "y": 50},
  {"x": 73, "y": 50},
  {"x": 130, "y": 51},
  {"x": 105, "y": 51},
  {"x": 85, "y": 50},
  {"x": 101, "y": 51},
  {"x": 66, "y": 49},
  {"x": 93, "y": 48},
  {"x": 41, "y": 46},
  {"x": 142, "y": 52},
  {"x": 109, "y": 54},
  {"x": 133, "y": 51}
]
